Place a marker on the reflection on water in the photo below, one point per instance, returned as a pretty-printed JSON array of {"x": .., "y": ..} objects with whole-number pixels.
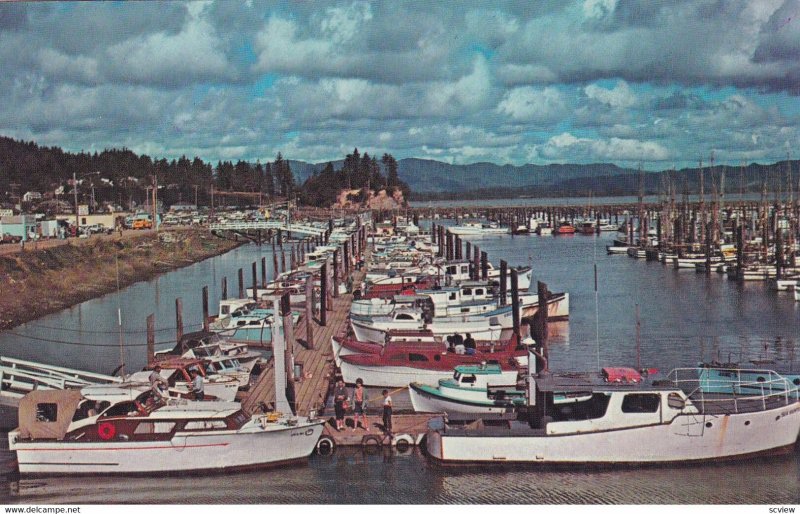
[{"x": 353, "y": 476}]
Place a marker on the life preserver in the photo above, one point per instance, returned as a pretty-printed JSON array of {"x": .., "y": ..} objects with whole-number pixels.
[
  {"x": 403, "y": 443},
  {"x": 371, "y": 441},
  {"x": 106, "y": 431},
  {"x": 325, "y": 446}
]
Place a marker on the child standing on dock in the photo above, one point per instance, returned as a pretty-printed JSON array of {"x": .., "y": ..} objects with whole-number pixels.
[
  {"x": 339, "y": 397},
  {"x": 359, "y": 403},
  {"x": 387, "y": 412}
]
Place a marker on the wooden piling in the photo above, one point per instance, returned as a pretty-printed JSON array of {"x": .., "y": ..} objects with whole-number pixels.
[
  {"x": 205, "y": 308},
  {"x": 151, "y": 338},
  {"x": 484, "y": 266},
  {"x": 178, "y": 319},
  {"x": 241, "y": 283},
  {"x": 323, "y": 295},
  {"x": 503, "y": 281},
  {"x": 310, "y": 312},
  {"x": 255, "y": 281},
  {"x": 264, "y": 272},
  {"x": 515, "y": 302},
  {"x": 224, "y": 288}
]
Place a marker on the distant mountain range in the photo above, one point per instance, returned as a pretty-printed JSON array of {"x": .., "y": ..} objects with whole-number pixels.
[{"x": 430, "y": 179}]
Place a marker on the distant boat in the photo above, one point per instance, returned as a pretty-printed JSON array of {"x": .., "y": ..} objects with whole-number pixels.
[
  {"x": 475, "y": 228},
  {"x": 564, "y": 228}
]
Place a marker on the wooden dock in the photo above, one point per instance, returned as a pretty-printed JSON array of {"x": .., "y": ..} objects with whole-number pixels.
[{"x": 317, "y": 365}]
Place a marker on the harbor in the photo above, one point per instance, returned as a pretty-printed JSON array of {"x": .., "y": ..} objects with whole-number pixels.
[{"x": 637, "y": 329}]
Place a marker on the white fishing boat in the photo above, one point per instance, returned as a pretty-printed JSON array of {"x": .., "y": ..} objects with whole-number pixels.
[
  {"x": 485, "y": 327},
  {"x": 783, "y": 284},
  {"x": 626, "y": 420},
  {"x": 616, "y": 250},
  {"x": 477, "y": 229},
  {"x": 466, "y": 393},
  {"x": 65, "y": 433}
]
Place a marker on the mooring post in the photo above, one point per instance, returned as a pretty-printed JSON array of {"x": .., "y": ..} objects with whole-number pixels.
[
  {"x": 224, "y": 288},
  {"x": 484, "y": 266},
  {"x": 476, "y": 264},
  {"x": 255, "y": 281},
  {"x": 151, "y": 338},
  {"x": 205, "y": 308},
  {"x": 503, "y": 281},
  {"x": 323, "y": 294},
  {"x": 336, "y": 273},
  {"x": 241, "y": 283},
  {"x": 178, "y": 319},
  {"x": 543, "y": 296},
  {"x": 264, "y": 272},
  {"x": 283, "y": 260},
  {"x": 274, "y": 263},
  {"x": 310, "y": 312},
  {"x": 515, "y": 303}
]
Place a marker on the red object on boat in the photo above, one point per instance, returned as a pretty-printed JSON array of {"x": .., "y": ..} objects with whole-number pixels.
[
  {"x": 391, "y": 290},
  {"x": 624, "y": 375},
  {"x": 565, "y": 228}
]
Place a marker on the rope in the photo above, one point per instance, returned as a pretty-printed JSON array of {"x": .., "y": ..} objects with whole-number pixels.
[
  {"x": 50, "y": 327},
  {"x": 77, "y": 343}
]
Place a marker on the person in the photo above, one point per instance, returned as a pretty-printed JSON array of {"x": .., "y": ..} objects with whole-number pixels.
[
  {"x": 339, "y": 397},
  {"x": 197, "y": 386},
  {"x": 469, "y": 344},
  {"x": 458, "y": 343},
  {"x": 451, "y": 344},
  {"x": 158, "y": 383},
  {"x": 387, "y": 412},
  {"x": 359, "y": 404}
]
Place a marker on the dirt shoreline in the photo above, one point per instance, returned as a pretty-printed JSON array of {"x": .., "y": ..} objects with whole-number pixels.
[{"x": 37, "y": 282}]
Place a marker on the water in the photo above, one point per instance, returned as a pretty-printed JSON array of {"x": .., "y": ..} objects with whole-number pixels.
[{"x": 685, "y": 318}]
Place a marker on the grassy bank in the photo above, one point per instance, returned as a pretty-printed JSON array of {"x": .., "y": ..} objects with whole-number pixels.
[{"x": 38, "y": 282}]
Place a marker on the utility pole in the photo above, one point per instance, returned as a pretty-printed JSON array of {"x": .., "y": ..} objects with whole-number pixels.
[
  {"x": 195, "y": 195},
  {"x": 75, "y": 191},
  {"x": 155, "y": 202}
]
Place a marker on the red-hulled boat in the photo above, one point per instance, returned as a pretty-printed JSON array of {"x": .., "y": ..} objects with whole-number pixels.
[
  {"x": 564, "y": 228},
  {"x": 390, "y": 290},
  {"x": 398, "y": 363}
]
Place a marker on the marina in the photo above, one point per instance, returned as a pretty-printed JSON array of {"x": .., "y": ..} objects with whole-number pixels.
[{"x": 572, "y": 344}]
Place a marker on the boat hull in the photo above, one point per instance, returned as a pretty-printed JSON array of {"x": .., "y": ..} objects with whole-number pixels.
[
  {"x": 688, "y": 438},
  {"x": 185, "y": 452},
  {"x": 401, "y": 376},
  {"x": 428, "y": 399}
]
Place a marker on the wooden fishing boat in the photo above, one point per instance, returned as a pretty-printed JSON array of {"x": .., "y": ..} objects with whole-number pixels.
[
  {"x": 65, "y": 432},
  {"x": 625, "y": 419},
  {"x": 397, "y": 364}
]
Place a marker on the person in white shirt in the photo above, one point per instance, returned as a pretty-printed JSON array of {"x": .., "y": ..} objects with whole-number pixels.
[
  {"x": 197, "y": 386},
  {"x": 387, "y": 412}
]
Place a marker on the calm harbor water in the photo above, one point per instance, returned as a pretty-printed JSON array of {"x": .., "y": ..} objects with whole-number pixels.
[{"x": 684, "y": 318}]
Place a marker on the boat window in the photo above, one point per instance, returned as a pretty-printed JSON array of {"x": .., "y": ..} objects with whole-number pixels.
[
  {"x": 205, "y": 425},
  {"x": 121, "y": 409},
  {"x": 464, "y": 309},
  {"x": 456, "y": 376},
  {"x": 464, "y": 269},
  {"x": 452, "y": 296},
  {"x": 225, "y": 310},
  {"x": 468, "y": 379},
  {"x": 479, "y": 291},
  {"x": 451, "y": 270},
  {"x": 593, "y": 408},
  {"x": 241, "y": 323},
  {"x": 417, "y": 357},
  {"x": 46, "y": 412},
  {"x": 404, "y": 317},
  {"x": 466, "y": 291},
  {"x": 255, "y": 322},
  {"x": 633, "y": 403},
  {"x": 675, "y": 401},
  {"x": 151, "y": 427}
]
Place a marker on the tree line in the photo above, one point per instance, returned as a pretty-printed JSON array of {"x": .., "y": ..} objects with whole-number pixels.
[
  {"x": 363, "y": 173},
  {"x": 121, "y": 177}
]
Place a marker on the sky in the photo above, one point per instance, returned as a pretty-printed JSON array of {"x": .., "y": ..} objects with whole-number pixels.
[{"x": 661, "y": 83}]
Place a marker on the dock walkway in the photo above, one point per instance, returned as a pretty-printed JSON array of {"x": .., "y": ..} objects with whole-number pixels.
[{"x": 317, "y": 364}]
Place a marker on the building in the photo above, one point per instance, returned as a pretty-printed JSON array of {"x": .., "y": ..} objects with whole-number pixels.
[
  {"x": 31, "y": 196},
  {"x": 108, "y": 220},
  {"x": 23, "y": 226}
]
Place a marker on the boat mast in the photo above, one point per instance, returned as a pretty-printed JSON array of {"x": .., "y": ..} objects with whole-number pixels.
[
  {"x": 702, "y": 203},
  {"x": 642, "y": 224}
]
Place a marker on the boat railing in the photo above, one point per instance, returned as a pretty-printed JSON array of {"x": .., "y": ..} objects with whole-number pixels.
[{"x": 732, "y": 390}]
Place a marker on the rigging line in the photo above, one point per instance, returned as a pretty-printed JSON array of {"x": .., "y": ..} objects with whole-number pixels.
[
  {"x": 596, "y": 307},
  {"x": 65, "y": 329},
  {"x": 78, "y": 343}
]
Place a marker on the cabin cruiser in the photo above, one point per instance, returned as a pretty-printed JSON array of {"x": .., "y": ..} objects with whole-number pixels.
[
  {"x": 67, "y": 432},
  {"x": 209, "y": 344},
  {"x": 243, "y": 320},
  {"x": 476, "y": 228}
]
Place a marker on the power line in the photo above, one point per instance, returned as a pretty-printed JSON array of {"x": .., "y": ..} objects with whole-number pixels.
[
  {"x": 167, "y": 329},
  {"x": 77, "y": 343}
]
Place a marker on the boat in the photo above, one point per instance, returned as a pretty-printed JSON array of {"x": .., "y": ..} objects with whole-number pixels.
[
  {"x": 59, "y": 434},
  {"x": 489, "y": 326},
  {"x": 476, "y": 228},
  {"x": 203, "y": 344},
  {"x": 797, "y": 294},
  {"x": 589, "y": 227},
  {"x": 636, "y": 252},
  {"x": 465, "y": 394},
  {"x": 396, "y": 364},
  {"x": 544, "y": 229},
  {"x": 177, "y": 373},
  {"x": 626, "y": 419},
  {"x": 245, "y": 321},
  {"x": 783, "y": 284},
  {"x": 564, "y": 228},
  {"x": 616, "y": 250},
  {"x": 521, "y": 230}
]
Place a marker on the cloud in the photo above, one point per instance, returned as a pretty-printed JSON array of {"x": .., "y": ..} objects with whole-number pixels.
[
  {"x": 621, "y": 96},
  {"x": 533, "y": 105},
  {"x": 567, "y": 146}
]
